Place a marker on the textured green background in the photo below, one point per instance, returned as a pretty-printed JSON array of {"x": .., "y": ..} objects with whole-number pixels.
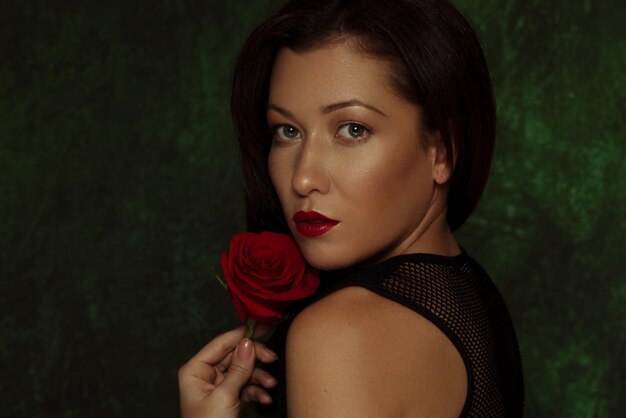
[{"x": 119, "y": 187}]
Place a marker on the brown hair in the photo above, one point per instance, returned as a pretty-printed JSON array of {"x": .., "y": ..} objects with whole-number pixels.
[{"x": 437, "y": 63}]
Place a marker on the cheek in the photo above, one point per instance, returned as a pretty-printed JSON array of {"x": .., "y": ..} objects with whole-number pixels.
[
  {"x": 398, "y": 180},
  {"x": 379, "y": 176}
]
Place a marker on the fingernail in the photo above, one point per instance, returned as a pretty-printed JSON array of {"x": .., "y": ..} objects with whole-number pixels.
[
  {"x": 244, "y": 349},
  {"x": 272, "y": 354}
]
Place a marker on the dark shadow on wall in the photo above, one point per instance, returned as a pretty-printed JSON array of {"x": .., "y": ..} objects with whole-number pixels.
[{"x": 120, "y": 186}]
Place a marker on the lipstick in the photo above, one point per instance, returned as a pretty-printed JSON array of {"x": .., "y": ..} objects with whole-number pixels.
[{"x": 313, "y": 224}]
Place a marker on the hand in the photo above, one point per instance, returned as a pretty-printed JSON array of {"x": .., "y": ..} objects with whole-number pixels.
[{"x": 215, "y": 382}]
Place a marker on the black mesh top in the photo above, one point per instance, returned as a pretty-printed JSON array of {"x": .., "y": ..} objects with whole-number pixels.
[{"x": 454, "y": 293}]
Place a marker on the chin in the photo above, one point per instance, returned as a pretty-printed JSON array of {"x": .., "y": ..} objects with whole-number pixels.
[
  {"x": 326, "y": 260},
  {"x": 325, "y": 265}
]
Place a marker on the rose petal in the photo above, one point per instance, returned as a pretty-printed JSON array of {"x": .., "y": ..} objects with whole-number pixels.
[{"x": 266, "y": 273}]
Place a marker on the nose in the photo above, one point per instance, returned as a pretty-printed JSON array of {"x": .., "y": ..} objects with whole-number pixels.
[{"x": 311, "y": 171}]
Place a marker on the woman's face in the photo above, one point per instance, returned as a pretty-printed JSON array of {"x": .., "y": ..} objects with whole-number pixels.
[{"x": 349, "y": 148}]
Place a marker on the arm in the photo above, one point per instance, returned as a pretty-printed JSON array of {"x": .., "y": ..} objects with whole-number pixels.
[{"x": 356, "y": 354}]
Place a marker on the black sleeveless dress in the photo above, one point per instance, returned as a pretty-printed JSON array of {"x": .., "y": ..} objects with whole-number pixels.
[{"x": 454, "y": 293}]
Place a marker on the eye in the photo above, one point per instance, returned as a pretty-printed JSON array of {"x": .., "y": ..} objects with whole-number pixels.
[
  {"x": 354, "y": 131},
  {"x": 286, "y": 132}
]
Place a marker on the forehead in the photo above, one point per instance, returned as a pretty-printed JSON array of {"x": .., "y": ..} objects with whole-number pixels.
[{"x": 332, "y": 71}]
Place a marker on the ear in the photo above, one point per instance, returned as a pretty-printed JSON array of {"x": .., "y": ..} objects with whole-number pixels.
[{"x": 441, "y": 169}]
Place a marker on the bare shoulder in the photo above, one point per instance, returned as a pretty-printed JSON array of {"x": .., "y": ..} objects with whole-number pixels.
[{"x": 357, "y": 354}]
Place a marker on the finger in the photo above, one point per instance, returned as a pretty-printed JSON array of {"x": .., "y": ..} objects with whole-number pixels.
[
  {"x": 261, "y": 377},
  {"x": 254, "y": 393},
  {"x": 260, "y": 329},
  {"x": 262, "y": 353},
  {"x": 198, "y": 370},
  {"x": 220, "y": 346},
  {"x": 224, "y": 344},
  {"x": 240, "y": 370}
]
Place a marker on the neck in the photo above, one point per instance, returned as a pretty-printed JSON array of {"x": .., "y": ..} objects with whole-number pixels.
[
  {"x": 433, "y": 235},
  {"x": 436, "y": 238}
]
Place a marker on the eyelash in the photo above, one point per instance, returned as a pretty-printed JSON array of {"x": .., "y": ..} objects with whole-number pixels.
[{"x": 357, "y": 140}]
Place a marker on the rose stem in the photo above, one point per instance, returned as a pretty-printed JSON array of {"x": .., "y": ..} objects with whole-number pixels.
[
  {"x": 250, "y": 328},
  {"x": 217, "y": 276}
]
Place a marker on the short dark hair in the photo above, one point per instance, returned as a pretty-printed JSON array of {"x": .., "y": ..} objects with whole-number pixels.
[{"x": 437, "y": 64}]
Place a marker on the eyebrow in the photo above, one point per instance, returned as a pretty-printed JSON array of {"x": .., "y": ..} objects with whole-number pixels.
[{"x": 328, "y": 108}]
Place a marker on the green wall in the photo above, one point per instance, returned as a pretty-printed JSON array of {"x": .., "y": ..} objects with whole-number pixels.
[{"x": 119, "y": 188}]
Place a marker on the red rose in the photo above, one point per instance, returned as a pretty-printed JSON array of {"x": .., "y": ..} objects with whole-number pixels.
[{"x": 265, "y": 273}]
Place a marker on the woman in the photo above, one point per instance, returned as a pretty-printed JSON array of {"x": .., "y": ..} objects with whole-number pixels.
[{"x": 366, "y": 131}]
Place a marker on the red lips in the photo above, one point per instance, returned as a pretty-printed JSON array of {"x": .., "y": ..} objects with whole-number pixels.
[
  {"x": 313, "y": 224},
  {"x": 302, "y": 216}
]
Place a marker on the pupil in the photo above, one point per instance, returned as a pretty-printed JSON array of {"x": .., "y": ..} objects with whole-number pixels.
[{"x": 355, "y": 130}]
